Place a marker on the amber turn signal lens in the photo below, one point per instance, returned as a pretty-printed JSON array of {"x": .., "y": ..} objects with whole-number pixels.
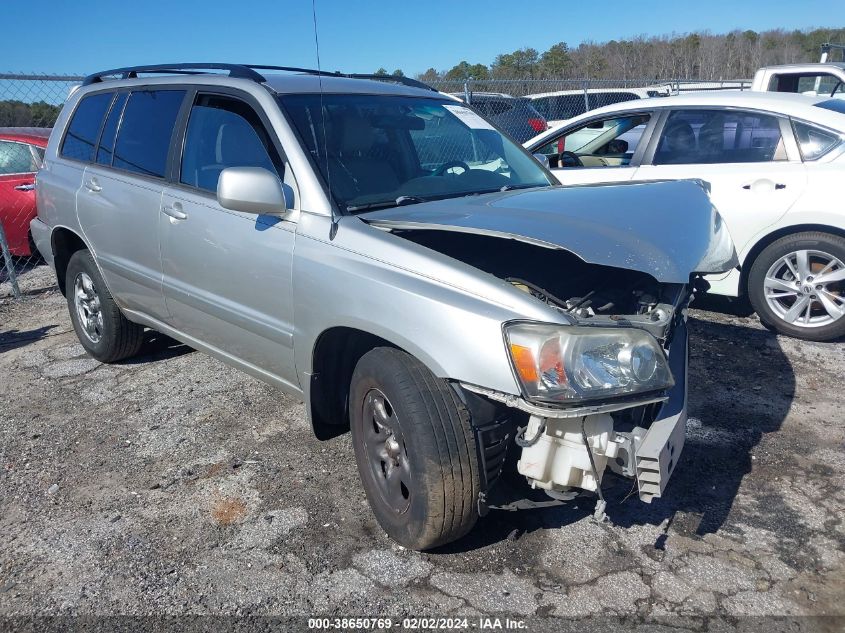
[{"x": 523, "y": 360}]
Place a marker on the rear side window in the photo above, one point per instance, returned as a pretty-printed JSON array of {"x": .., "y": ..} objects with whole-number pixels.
[
  {"x": 223, "y": 132},
  {"x": 813, "y": 141},
  {"x": 104, "y": 151},
  {"x": 81, "y": 136},
  {"x": 15, "y": 158},
  {"x": 143, "y": 141},
  {"x": 719, "y": 136}
]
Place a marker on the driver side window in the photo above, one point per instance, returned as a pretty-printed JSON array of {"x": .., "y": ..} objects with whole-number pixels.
[{"x": 609, "y": 142}]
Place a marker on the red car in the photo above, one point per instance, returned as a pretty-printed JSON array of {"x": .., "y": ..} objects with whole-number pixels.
[{"x": 21, "y": 153}]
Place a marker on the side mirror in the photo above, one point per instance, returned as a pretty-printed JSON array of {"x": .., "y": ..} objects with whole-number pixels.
[
  {"x": 251, "y": 190},
  {"x": 543, "y": 159}
]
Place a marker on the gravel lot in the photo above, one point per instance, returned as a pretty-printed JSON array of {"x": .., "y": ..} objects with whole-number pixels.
[{"x": 171, "y": 484}]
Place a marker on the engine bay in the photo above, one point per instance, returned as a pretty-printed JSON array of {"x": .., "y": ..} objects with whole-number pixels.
[{"x": 588, "y": 292}]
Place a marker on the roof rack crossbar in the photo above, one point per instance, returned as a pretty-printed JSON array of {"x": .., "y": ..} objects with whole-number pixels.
[
  {"x": 235, "y": 70},
  {"x": 242, "y": 71}
]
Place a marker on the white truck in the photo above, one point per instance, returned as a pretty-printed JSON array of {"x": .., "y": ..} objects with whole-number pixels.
[{"x": 816, "y": 79}]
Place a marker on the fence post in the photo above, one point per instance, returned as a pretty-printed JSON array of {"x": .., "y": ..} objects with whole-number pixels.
[
  {"x": 584, "y": 85},
  {"x": 467, "y": 91},
  {"x": 10, "y": 265}
]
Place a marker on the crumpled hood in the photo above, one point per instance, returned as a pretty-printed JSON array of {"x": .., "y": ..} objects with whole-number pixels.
[{"x": 668, "y": 230}]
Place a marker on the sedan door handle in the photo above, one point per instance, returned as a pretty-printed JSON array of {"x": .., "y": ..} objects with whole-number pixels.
[
  {"x": 27, "y": 187},
  {"x": 91, "y": 185},
  {"x": 764, "y": 184},
  {"x": 175, "y": 211}
]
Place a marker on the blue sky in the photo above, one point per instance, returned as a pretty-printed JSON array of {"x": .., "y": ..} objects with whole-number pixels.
[{"x": 360, "y": 36}]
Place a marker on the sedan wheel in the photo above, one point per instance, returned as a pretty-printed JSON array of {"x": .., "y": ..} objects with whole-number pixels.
[
  {"x": 797, "y": 286},
  {"x": 805, "y": 288}
]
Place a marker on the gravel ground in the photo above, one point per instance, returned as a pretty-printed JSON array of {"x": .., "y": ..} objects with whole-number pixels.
[{"x": 172, "y": 484}]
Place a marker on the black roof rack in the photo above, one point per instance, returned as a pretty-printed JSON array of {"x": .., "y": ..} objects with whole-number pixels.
[{"x": 241, "y": 71}]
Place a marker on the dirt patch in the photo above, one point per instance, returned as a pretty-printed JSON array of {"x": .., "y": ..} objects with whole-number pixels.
[{"x": 228, "y": 510}]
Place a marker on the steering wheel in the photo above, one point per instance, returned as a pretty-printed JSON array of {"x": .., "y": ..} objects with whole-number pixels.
[
  {"x": 441, "y": 171},
  {"x": 569, "y": 159},
  {"x": 836, "y": 87}
]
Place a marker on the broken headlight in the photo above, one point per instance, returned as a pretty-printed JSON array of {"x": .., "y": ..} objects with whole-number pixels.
[{"x": 568, "y": 363}]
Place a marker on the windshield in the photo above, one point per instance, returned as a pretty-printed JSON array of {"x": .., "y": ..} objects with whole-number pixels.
[{"x": 379, "y": 150}]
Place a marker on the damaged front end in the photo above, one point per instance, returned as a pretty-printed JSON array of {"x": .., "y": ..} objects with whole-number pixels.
[{"x": 603, "y": 385}]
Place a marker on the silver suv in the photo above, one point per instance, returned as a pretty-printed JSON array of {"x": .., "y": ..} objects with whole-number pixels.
[{"x": 387, "y": 255}]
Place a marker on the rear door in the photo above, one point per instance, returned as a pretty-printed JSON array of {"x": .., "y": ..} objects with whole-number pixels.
[
  {"x": 18, "y": 164},
  {"x": 227, "y": 275},
  {"x": 749, "y": 158},
  {"x": 120, "y": 198}
]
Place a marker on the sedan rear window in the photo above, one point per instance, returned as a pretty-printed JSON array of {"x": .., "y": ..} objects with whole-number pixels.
[{"x": 813, "y": 141}]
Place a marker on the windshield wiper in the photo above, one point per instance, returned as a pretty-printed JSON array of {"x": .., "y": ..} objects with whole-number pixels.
[{"x": 386, "y": 204}]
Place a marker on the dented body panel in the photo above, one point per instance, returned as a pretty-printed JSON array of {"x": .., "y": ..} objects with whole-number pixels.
[{"x": 668, "y": 230}]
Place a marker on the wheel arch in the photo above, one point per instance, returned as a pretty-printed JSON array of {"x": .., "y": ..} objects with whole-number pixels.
[
  {"x": 774, "y": 236},
  {"x": 334, "y": 355},
  {"x": 64, "y": 242}
]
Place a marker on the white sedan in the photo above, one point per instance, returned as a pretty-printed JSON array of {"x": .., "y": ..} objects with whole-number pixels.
[{"x": 775, "y": 164}]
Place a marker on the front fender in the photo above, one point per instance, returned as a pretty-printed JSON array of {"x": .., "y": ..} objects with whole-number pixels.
[{"x": 376, "y": 282}]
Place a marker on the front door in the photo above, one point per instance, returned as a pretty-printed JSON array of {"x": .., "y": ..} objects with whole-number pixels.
[
  {"x": 601, "y": 150},
  {"x": 227, "y": 275}
]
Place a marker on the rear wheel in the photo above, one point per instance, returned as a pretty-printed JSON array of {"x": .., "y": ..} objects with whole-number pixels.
[
  {"x": 797, "y": 286},
  {"x": 102, "y": 329},
  {"x": 414, "y": 449}
]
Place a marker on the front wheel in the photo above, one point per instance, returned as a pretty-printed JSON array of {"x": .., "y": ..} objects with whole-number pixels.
[
  {"x": 414, "y": 449},
  {"x": 797, "y": 286}
]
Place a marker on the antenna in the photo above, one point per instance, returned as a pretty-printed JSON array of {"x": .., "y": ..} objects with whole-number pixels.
[{"x": 333, "y": 230}]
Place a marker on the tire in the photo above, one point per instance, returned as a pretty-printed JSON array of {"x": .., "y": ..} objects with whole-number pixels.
[
  {"x": 110, "y": 336},
  {"x": 813, "y": 310},
  {"x": 425, "y": 439}
]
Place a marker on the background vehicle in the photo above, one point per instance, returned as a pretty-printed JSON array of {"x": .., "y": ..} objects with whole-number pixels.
[
  {"x": 514, "y": 115},
  {"x": 561, "y": 106},
  {"x": 346, "y": 241},
  {"x": 774, "y": 165},
  {"x": 21, "y": 152},
  {"x": 826, "y": 78}
]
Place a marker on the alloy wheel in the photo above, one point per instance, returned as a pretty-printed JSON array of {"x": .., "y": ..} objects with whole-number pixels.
[
  {"x": 88, "y": 308},
  {"x": 806, "y": 288}
]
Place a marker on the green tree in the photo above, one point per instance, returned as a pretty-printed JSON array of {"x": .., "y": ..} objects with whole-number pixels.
[
  {"x": 556, "y": 61},
  {"x": 520, "y": 64},
  {"x": 429, "y": 76},
  {"x": 464, "y": 70},
  {"x": 398, "y": 73},
  {"x": 381, "y": 72}
]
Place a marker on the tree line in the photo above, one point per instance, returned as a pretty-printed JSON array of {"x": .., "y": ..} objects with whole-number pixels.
[
  {"x": 20, "y": 114},
  {"x": 698, "y": 55}
]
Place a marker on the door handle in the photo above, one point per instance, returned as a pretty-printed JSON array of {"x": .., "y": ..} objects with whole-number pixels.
[
  {"x": 175, "y": 211},
  {"x": 92, "y": 185},
  {"x": 27, "y": 187},
  {"x": 777, "y": 186}
]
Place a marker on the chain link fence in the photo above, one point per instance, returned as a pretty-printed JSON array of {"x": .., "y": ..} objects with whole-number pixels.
[
  {"x": 30, "y": 104},
  {"x": 525, "y": 107}
]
